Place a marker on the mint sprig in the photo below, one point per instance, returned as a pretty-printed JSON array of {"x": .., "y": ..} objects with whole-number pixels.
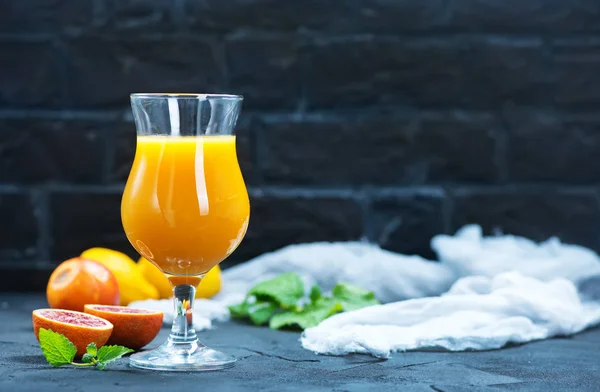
[
  {"x": 280, "y": 302},
  {"x": 59, "y": 351}
]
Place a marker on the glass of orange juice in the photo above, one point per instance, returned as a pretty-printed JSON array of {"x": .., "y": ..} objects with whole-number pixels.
[{"x": 185, "y": 208}]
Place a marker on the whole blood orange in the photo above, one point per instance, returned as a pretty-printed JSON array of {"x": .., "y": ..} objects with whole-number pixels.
[
  {"x": 133, "y": 328},
  {"x": 79, "y": 281},
  {"x": 80, "y": 328}
]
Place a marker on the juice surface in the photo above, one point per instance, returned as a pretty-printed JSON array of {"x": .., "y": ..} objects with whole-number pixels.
[{"x": 185, "y": 205}]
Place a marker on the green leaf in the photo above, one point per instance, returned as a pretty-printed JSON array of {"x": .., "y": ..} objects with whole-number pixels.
[
  {"x": 101, "y": 365},
  {"x": 353, "y": 297},
  {"x": 315, "y": 293},
  {"x": 285, "y": 289},
  {"x": 261, "y": 312},
  {"x": 57, "y": 349},
  {"x": 92, "y": 349},
  {"x": 239, "y": 310},
  {"x": 108, "y": 354},
  {"x": 87, "y": 358},
  {"x": 308, "y": 317}
]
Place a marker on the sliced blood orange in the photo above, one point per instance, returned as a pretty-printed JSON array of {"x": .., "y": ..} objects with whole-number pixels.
[
  {"x": 133, "y": 328},
  {"x": 80, "y": 328}
]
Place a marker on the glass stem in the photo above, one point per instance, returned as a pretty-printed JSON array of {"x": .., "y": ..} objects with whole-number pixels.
[{"x": 183, "y": 331}]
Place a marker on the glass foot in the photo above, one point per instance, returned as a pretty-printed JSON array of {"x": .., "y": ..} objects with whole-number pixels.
[{"x": 182, "y": 357}]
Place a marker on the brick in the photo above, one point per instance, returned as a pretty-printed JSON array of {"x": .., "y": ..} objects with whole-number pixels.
[
  {"x": 45, "y": 16},
  {"x": 576, "y": 65},
  {"x": 265, "y": 72},
  {"x": 544, "y": 147},
  {"x": 19, "y": 228},
  {"x": 139, "y": 15},
  {"x": 124, "y": 151},
  {"x": 380, "y": 150},
  {"x": 83, "y": 220},
  {"x": 31, "y": 75},
  {"x": 39, "y": 151},
  {"x": 532, "y": 16},
  {"x": 245, "y": 146},
  {"x": 277, "y": 221},
  {"x": 370, "y": 72},
  {"x": 374, "y": 16},
  {"x": 572, "y": 216},
  {"x": 24, "y": 279},
  {"x": 480, "y": 73},
  {"x": 113, "y": 68},
  {"x": 405, "y": 223},
  {"x": 458, "y": 147},
  {"x": 507, "y": 71}
]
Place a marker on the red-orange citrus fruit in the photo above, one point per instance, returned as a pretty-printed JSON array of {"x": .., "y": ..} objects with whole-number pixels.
[
  {"x": 79, "y": 281},
  {"x": 133, "y": 328},
  {"x": 80, "y": 328}
]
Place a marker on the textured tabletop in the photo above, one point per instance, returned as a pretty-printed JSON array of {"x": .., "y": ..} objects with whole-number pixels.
[{"x": 274, "y": 360}]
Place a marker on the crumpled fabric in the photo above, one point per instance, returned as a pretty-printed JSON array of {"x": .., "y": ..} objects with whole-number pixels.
[
  {"x": 484, "y": 293},
  {"x": 477, "y": 313}
]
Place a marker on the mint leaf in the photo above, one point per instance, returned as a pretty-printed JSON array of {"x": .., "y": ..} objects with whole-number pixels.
[
  {"x": 108, "y": 354},
  {"x": 57, "y": 349},
  {"x": 92, "y": 349},
  {"x": 261, "y": 312},
  {"x": 353, "y": 297},
  {"x": 315, "y": 293},
  {"x": 87, "y": 358},
  {"x": 287, "y": 319},
  {"x": 308, "y": 317},
  {"x": 285, "y": 290},
  {"x": 239, "y": 310}
]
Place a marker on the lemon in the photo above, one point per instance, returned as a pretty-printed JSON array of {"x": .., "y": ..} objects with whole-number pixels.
[
  {"x": 209, "y": 286},
  {"x": 156, "y": 277},
  {"x": 133, "y": 286}
]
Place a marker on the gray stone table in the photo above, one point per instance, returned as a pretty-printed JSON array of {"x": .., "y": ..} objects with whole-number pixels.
[{"x": 275, "y": 361}]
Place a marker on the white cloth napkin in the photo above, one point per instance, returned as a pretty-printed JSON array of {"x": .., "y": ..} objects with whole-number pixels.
[
  {"x": 478, "y": 313},
  {"x": 484, "y": 293}
]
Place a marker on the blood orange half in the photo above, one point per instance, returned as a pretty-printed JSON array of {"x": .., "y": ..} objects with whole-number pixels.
[
  {"x": 80, "y": 328},
  {"x": 133, "y": 328}
]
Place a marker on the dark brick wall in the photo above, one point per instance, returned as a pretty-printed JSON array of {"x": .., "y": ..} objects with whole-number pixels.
[{"x": 383, "y": 120}]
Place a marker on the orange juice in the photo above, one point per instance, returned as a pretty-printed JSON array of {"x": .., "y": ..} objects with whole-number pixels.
[{"x": 185, "y": 206}]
